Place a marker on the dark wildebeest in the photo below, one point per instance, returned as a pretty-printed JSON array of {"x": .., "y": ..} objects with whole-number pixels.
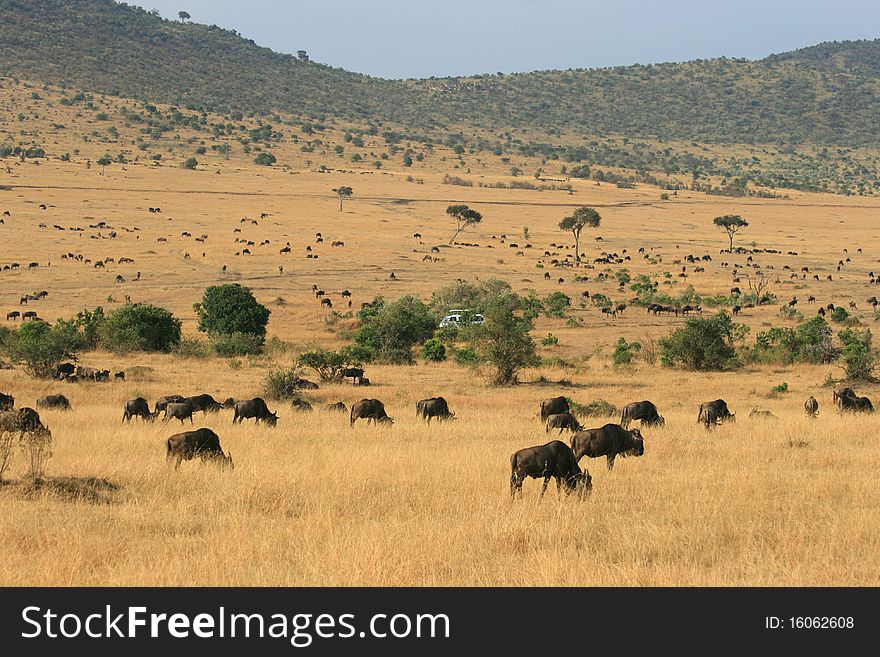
[
  {"x": 434, "y": 407},
  {"x": 180, "y": 410},
  {"x": 370, "y": 409},
  {"x": 162, "y": 402},
  {"x": 352, "y": 373},
  {"x": 301, "y": 405},
  {"x": 13, "y": 315},
  {"x": 553, "y": 406},
  {"x": 204, "y": 403},
  {"x": 65, "y": 369},
  {"x": 24, "y": 420},
  {"x": 338, "y": 407},
  {"x": 644, "y": 410},
  {"x": 715, "y": 412},
  {"x": 553, "y": 460},
  {"x": 54, "y": 401},
  {"x": 7, "y": 402},
  {"x": 119, "y": 376},
  {"x": 846, "y": 400},
  {"x": 254, "y": 408},
  {"x": 137, "y": 407},
  {"x": 229, "y": 403},
  {"x": 811, "y": 407},
  {"x": 562, "y": 421},
  {"x": 203, "y": 443},
  {"x": 607, "y": 441}
]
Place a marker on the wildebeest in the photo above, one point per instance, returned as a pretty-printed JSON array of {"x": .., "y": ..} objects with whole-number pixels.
[
  {"x": 13, "y": 315},
  {"x": 229, "y": 403},
  {"x": 434, "y": 407},
  {"x": 54, "y": 401},
  {"x": 562, "y": 421},
  {"x": 552, "y": 460},
  {"x": 338, "y": 407},
  {"x": 204, "y": 403},
  {"x": 162, "y": 402},
  {"x": 714, "y": 413},
  {"x": 645, "y": 411},
  {"x": 7, "y": 402},
  {"x": 203, "y": 443},
  {"x": 846, "y": 400},
  {"x": 761, "y": 413},
  {"x": 137, "y": 408},
  {"x": 301, "y": 405},
  {"x": 553, "y": 406},
  {"x": 352, "y": 373},
  {"x": 372, "y": 410},
  {"x": 811, "y": 407},
  {"x": 180, "y": 410},
  {"x": 607, "y": 441},
  {"x": 254, "y": 408},
  {"x": 23, "y": 420}
]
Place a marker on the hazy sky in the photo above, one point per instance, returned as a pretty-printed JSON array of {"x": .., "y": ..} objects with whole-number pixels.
[{"x": 420, "y": 38}]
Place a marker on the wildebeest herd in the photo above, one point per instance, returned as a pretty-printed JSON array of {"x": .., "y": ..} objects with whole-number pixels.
[{"x": 553, "y": 460}]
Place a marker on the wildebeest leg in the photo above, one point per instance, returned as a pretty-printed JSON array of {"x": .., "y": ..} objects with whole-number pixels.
[
  {"x": 544, "y": 487},
  {"x": 190, "y": 419},
  {"x": 126, "y": 417},
  {"x": 611, "y": 461},
  {"x": 515, "y": 485}
]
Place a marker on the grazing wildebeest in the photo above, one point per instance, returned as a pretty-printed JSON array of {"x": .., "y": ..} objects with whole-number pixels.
[
  {"x": 370, "y": 409},
  {"x": 644, "y": 410},
  {"x": 54, "y": 401},
  {"x": 30, "y": 314},
  {"x": 552, "y": 460},
  {"x": 204, "y": 403},
  {"x": 13, "y": 315},
  {"x": 229, "y": 403},
  {"x": 562, "y": 421},
  {"x": 254, "y": 408},
  {"x": 338, "y": 407},
  {"x": 326, "y": 302},
  {"x": 162, "y": 402},
  {"x": 811, "y": 407},
  {"x": 301, "y": 405},
  {"x": 607, "y": 441},
  {"x": 846, "y": 400},
  {"x": 180, "y": 410},
  {"x": 203, "y": 443},
  {"x": 353, "y": 373},
  {"x": 715, "y": 412},
  {"x": 7, "y": 402},
  {"x": 761, "y": 413},
  {"x": 553, "y": 406},
  {"x": 24, "y": 420},
  {"x": 137, "y": 408},
  {"x": 434, "y": 407},
  {"x": 119, "y": 376}
]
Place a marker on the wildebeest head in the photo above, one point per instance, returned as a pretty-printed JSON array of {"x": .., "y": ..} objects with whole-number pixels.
[
  {"x": 224, "y": 461},
  {"x": 580, "y": 483},
  {"x": 386, "y": 420},
  {"x": 272, "y": 419}
]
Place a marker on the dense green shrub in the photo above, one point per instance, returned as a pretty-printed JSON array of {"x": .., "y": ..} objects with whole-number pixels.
[
  {"x": 703, "y": 344},
  {"x": 434, "y": 350},
  {"x": 141, "y": 327},
  {"x": 228, "y": 309}
]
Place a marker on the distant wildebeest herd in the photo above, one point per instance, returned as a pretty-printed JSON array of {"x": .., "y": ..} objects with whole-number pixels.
[{"x": 553, "y": 460}]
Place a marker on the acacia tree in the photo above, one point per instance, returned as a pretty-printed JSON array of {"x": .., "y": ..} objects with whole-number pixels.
[
  {"x": 732, "y": 223},
  {"x": 580, "y": 218},
  {"x": 464, "y": 217},
  {"x": 183, "y": 16},
  {"x": 343, "y": 193}
]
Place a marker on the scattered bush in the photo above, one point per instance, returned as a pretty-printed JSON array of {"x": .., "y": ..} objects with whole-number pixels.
[
  {"x": 40, "y": 348},
  {"x": 237, "y": 344},
  {"x": 434, "y": 350},
  {"x": 142, "y": 327},
  {"x": 282, "y": 383},
  {"x": 703, "y": 344},
  {"x": 624, "y": 352},
  {"x": 228, "y": 309},
  {"x": 466, "y": 356},
  {"x": 550, "y": 341}
]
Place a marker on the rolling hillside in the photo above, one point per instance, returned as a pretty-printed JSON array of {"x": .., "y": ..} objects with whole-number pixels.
[{"x": 811, "y": 99}]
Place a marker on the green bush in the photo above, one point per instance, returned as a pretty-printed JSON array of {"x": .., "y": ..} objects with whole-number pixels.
[
  {"x": 623, "y": 352},
  {"x": 282, "y": 383},
  {"x": 504, "y": 340},
  {"x": 328, "y": 364},
  {"x": 192, "y": 348},
  {"x": 191, "y": 163},
  {"x": 390, "y": 330},
  {"x": 550, "y": 341},
  {"x": 228, "y": 309},
  {"x": 434, "y": 350},
  {"x": 265, "y": 159},
  {"x": 237, "y": 344},
  {"x": 40, "y": 348},
  {"x": 703, "y": 344},
  {"x": 839, "y": 315},
  {"x": 556, "y": 304},
  {"x": 141, "y": 327},
  {"x": 859, "y": 361},
  {"x": 466, "y": 356}
]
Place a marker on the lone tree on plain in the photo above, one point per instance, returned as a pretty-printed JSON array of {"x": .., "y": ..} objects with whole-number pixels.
[
  {"x": 464, "y": 217},
  {"x": 731, "y": 223},
  {"x": 303, "y": 55},
  {"x": 105, "y": 161},
  {"x": 183, "y": 16},
  {"x": 580, "y": 219},
  {"x": 343, "y": 193}
]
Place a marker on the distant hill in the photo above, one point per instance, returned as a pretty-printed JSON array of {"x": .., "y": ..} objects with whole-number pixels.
[{"x": 823, "y": 96}]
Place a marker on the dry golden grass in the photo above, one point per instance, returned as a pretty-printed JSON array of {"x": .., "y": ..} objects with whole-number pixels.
[{"x": 787, "y": 502}]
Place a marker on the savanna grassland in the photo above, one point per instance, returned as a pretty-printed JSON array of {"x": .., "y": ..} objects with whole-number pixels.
[{"x": 790, "y": 501}]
